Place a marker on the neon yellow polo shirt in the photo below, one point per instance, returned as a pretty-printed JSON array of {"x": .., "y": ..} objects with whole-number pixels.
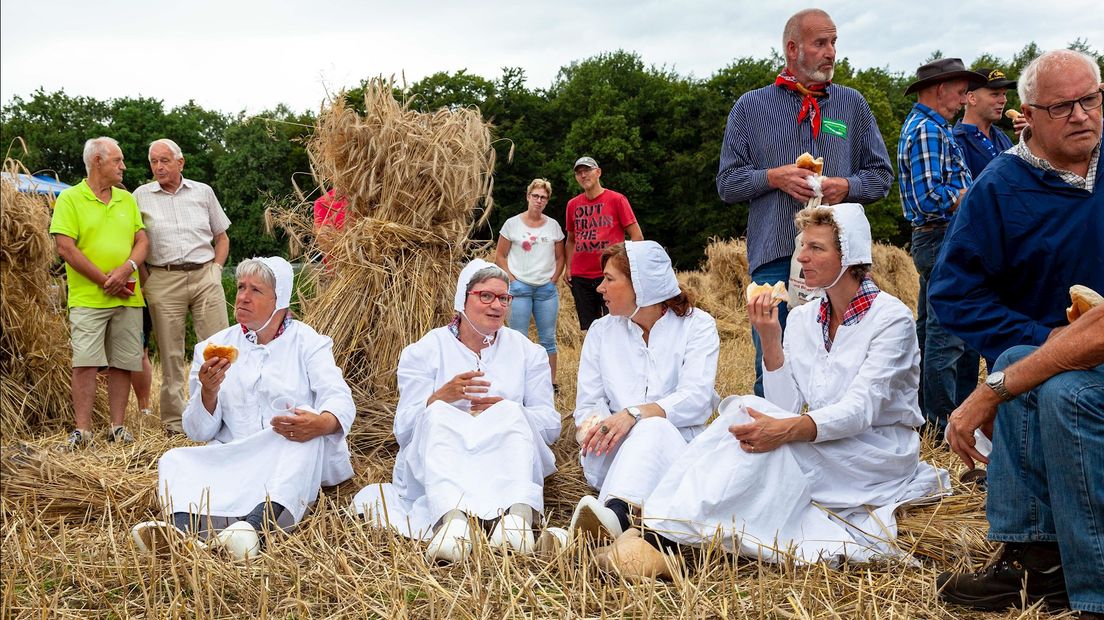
[{"x": 104, "y": 233}]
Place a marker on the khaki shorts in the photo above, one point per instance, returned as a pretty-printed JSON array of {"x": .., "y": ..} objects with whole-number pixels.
[{"x": 106, "y": 337}]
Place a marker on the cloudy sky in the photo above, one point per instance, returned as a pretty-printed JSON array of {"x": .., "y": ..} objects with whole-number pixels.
[{"x": 234, "y": 55}]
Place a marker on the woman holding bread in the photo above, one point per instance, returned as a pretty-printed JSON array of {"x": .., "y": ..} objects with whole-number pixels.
[
  {"x": 271, "y": 403},
  {"x": 815, "y": 469},
  {"x": 645, "y": 388},
  {"x": 474, "y": 424}
]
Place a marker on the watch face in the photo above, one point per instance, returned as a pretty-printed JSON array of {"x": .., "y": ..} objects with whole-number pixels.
[{"x": 995, "y": 378}]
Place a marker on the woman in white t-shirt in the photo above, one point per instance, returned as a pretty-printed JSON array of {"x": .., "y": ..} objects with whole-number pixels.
[{"x": 530, "y": 249}]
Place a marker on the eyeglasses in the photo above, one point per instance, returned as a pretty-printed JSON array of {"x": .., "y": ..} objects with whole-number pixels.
[
  {"x": 1063, "y": 109},
  {"x": 486, "y": 297},
  {"x": 536, "y": 196}
]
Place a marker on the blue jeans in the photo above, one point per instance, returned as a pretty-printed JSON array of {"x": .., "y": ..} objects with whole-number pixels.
[
  {"x": 1046, "y": 474},
  {"x": 769, "y": 273},
  {"x": 539, "y": 302},
  {"x": 948, "y": 368}
]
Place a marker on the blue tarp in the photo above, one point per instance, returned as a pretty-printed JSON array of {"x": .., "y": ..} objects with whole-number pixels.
[{"x": 39, "y": 184}]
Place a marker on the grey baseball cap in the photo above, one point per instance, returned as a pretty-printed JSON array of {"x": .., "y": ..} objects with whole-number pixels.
[{"x": 585, "y": 161}]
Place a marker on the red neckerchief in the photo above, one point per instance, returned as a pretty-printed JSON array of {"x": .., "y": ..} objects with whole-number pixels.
[{"x": 810, "y": 94}]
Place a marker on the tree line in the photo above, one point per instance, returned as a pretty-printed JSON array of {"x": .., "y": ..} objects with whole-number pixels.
[{"x": 656, "y": 134}]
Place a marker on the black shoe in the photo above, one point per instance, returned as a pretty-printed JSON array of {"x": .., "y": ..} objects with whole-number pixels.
[{"x": 1034, "y": 567}]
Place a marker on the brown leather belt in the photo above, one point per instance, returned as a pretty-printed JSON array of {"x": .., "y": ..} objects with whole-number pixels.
[
  {"x": 179, "y": 266},
  {"x": 931, "y": 226}
]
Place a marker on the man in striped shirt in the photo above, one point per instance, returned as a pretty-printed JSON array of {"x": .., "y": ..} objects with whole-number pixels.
[
  {"x": 183, "y": 272},
  {"x": 933, "y": 178},
  {"x": 768, "y": 128}
]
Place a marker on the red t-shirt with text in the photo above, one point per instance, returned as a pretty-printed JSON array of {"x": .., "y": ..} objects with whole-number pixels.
[{"x": 596, "y": 224}]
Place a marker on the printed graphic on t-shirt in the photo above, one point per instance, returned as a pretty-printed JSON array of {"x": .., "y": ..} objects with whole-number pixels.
[{"x": 590, "y": 223}]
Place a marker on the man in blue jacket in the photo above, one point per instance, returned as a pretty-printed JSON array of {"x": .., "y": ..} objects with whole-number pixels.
[
  {"x": 1033, "y": 224},
  {"x": 977, "y": 133}
]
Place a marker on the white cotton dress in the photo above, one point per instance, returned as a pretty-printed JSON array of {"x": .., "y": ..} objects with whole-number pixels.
[
  {"x": 449, "y": 459},
  {"x": 245, "y": 461},
  {"x": 829, "y": 499},
  {"x": 676, "y": 369}
]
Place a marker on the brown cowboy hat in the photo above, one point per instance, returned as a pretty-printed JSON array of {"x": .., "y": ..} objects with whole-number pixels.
[{"x": 943, "y": 70}]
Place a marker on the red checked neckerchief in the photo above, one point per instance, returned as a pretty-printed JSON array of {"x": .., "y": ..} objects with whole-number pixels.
[{"x": 810, "y": 94}]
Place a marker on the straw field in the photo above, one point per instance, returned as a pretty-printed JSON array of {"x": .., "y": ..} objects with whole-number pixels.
[
  {"x": 416, "y": 183},
  {"x": 66, "y": 549}
]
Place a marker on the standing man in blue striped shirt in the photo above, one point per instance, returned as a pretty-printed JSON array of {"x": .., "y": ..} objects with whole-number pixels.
[
  {"x": 768, "y": 128},
  {"x": 933, "y": 178}
]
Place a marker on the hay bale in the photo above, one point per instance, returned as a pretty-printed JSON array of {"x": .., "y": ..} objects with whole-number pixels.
[
  {"x": 34, "y": 341},
  {"x": 895, "y": 273}
]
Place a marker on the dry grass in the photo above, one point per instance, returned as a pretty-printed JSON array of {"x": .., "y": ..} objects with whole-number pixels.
[
  {"x": 66, "y": 550},
  {"x": 415, "y": 181}
]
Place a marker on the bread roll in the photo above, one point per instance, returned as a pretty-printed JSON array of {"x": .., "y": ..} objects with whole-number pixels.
[
  {"x": 1082, "y": 299},
  {"x": 220, "y": 350},
  {"x": 1012, "y": 114},
  {"x": 806, "y": 161},
  {"x": 777, "y": 291}
]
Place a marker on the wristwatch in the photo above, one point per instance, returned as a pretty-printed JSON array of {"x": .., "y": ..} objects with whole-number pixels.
[
  {"x": 133, "y": 264},
  {"x": 995, "y": 381},
  {"x": 634, "y": 412}
]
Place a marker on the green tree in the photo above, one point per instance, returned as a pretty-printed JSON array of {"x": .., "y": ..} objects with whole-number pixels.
[
  {"x": 55, "y": 127},
  {"x": 262, "y": 154}
]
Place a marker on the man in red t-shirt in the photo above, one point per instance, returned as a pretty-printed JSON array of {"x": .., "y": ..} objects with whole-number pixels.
[{"x": 596, "y": 219}]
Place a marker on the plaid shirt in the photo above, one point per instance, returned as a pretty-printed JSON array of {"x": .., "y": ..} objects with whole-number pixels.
[
  {"x": 856, "y": 310},
  {"x": 931, "y": 165},
  {"x": 1086, "y": 183}
]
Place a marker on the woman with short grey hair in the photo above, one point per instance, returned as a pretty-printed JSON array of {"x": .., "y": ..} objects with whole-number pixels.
[{"x": 474, "y": 423}]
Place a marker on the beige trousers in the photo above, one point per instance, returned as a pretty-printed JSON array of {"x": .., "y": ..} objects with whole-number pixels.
[{"x": 171, "y": 295}]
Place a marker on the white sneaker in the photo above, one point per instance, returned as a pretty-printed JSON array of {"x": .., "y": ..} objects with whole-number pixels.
[
  {"x": 512, "y": 533},
  {"x": 157, "y": 537},
  {"x": 552, "y": 541},
  {"x": 452, "y": 541},
  {"x": 592, "y": 519},
  {"x": 241, "y": 540}
]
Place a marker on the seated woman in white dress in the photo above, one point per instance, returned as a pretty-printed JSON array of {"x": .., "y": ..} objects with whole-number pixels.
[
  {"x": 816, "y": 470},
  {"x": 474, "y": 424},
  {"x": 274, "y": 419},
  {"x": 646, "y": 384}
]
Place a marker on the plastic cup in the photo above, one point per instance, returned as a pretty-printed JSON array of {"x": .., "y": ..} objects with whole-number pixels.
[{"x": 131, "y": 283}]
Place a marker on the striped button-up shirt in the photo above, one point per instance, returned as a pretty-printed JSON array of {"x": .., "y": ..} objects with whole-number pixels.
[
  {"x": 763, "y": 133},
  {"x": 181, "y": 226},
  {"x": 932, "y": 169}
]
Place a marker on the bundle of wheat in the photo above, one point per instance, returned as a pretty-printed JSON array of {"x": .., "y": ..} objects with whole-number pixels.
[
  {"x": 896, "y": 274},
  {"x": 34, "y": 348},
  {"x": 413, "y": 182}
]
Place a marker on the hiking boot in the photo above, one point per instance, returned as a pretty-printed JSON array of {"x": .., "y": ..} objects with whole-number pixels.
[
  {"x": 1023, "y": 574},
  {"x": 78, "y": 439},
  {"x": 119, "y": 435}
]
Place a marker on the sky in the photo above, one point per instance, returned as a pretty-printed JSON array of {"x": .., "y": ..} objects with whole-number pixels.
[{"x": 247, "y": 55}]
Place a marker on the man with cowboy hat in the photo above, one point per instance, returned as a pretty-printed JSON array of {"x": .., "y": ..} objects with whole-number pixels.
[
  {"x": 933, "y": 178},
  {"x": 977, "y": 134}
]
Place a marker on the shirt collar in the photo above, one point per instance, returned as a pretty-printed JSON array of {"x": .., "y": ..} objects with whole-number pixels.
[
  {"x": 856, "y": 309},
  {"x": 184, "y": 182},
  {"x": 930, "y": 113},
  {"x": 1088, "y": 182},
  {"x": 86, "y": 189}
]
